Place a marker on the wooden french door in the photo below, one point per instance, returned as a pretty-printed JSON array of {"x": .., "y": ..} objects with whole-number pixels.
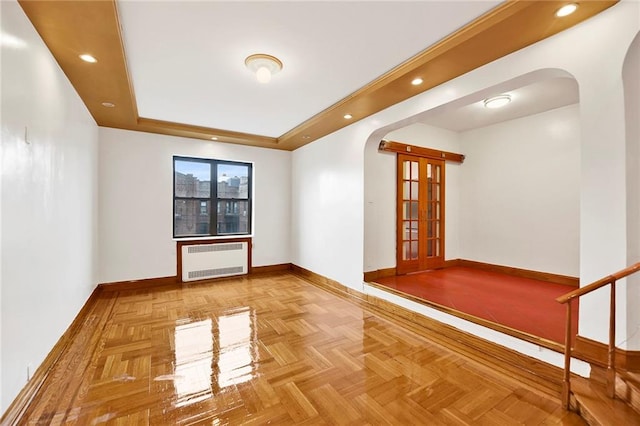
[{"x": 420, "y": 206}]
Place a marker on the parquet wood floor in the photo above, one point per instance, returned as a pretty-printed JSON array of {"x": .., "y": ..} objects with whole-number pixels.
[{"x": 269, "y": 349}]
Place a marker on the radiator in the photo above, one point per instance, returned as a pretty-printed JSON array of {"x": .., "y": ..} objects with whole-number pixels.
[{"x": 203, "y": 261}]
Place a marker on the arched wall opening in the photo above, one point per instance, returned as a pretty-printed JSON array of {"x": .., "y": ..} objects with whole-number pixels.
[{"x": 515, "y": 200}]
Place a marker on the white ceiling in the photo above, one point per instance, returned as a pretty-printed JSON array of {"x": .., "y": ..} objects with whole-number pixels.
[
  {"x": 530, "y": 99},
  {"x": 186, "y": 59}
]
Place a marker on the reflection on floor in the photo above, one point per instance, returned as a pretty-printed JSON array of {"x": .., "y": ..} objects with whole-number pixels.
[
  {"x": 523, "y": 304},
  {"x": 270, "y": 349}
]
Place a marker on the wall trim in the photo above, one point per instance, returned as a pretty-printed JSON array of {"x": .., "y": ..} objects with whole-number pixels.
[
  {"x": 523, "y": 273},
  {"x": 21, "y": 402},
  {"x": 535, "y": 373},
  {"x": 281, "y": 267},
  {"x": 507, "y": 270},
  {"x": 596, "y": 353},
  {"x": 451, "y": 262},
  {"x": 502, "y": 30},
  {"x": 173, "y": 280},
  {"x": 138, "y": 284},
  {"x": 549, "y": 344},
  {"x": 370, "y": 277},
  {"x": 380, "y": 273},
  {"x": 326, "y": 283}
]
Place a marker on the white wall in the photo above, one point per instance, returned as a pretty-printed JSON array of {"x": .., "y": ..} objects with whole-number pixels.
[
  {"x": 136, "y": 201},
  {"x": 520, "y": 200},
  {"x": 603, "y": 225},
  {"x": 327, "y": 199},
  {"x": 380, "y": 194},
  {"x": 631, "y": 81},
  {"x": 2, "y": 43},
  {"x": 328, "y": 175},
  {"x": 49, "y": 201},
  {"x": 514, "y": 201},
  {"x": 2, "y": 36}
]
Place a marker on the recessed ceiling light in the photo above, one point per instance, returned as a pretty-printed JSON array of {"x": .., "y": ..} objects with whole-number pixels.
[
  {"x": 213, "y": 138},
  {"x": 108, "y": 104},
  {"x": 88, "y": 58},
  {"x": 416, "y": 81},
  {"x": 348, "y": 116},
  {"x": 264, "y": 66},
  {"x": 497, "y": 101},
  {"x": 306, "y": 137},
  {"x": 566, "y": 10}
]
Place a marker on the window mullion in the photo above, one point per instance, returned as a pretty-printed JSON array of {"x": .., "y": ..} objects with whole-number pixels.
[
  {"x": 213, "y": 194},
  {"x": 228, "y": 181}
]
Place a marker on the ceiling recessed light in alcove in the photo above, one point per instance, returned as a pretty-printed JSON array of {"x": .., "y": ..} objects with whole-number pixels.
[
  {"x": 566, "y": 10},
  {"x": 88, "y": 58},
  {"x": 416, "y": 81},
  {"x": 497, "y": 101},
  {"x": 348, "y": 116},
  {"x": 108, "y": 105}
]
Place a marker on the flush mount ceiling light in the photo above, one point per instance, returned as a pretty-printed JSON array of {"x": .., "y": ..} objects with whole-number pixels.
[
  {"x": 88, "y": 58},
  {"x": 416, "y": 81},
  {"x": 264, "y": 66},
  {"x": 566, "y": 10},
  {"x": 497, "y": 101},
  {"x": 348, "y": 116}
]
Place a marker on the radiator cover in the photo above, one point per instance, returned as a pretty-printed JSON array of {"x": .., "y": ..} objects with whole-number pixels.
[{"x": 214, "y": 260}]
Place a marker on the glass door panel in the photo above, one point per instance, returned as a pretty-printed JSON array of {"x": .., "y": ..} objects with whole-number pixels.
[
  {"x": 433, "y": 199},
  {"x": 420, "y": 217},
  {"x": 410, "y": 216}
]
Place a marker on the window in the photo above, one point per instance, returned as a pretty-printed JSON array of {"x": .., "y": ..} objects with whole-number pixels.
[{"x": 202, "y": 209}]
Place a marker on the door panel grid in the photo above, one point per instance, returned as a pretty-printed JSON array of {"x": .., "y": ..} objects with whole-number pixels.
[{"x": 420, "y": 213}]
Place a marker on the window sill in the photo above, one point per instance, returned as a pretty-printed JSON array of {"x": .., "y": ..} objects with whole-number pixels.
[{"x": 217, "y": 237}]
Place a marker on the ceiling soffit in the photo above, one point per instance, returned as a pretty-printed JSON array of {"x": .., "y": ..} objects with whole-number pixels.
[{"x": 67, "y": 28}]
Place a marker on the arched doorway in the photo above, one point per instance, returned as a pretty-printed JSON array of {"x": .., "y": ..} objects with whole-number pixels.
[{"x": 514, "y": 202}]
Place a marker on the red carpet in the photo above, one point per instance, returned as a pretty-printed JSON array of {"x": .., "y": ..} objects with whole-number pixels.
[{"x": 523, "y": 304}]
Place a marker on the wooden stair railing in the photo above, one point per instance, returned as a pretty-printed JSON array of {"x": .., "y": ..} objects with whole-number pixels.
[{"x": 611, "y": 360}]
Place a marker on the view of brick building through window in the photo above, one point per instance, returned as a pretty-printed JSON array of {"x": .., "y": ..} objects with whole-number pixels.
[{"x": 193, "y": 199}]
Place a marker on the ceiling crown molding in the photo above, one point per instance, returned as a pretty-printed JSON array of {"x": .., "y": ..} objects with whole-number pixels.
[{"x": 69, "y": 27}]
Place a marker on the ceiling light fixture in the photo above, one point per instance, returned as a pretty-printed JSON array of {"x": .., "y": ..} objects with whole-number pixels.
[
  {"x": 108, "y": 104},
  {"x": 416, "y": 81},
  {"x": 88, "y": 58},
  {"x": 566, "y": 10},
  {"x": 264, "y": 66},
  {"x": 213, "y": 138},
  {"x": 348, "y": 116},
  {"x": 497, "y": 101}
]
